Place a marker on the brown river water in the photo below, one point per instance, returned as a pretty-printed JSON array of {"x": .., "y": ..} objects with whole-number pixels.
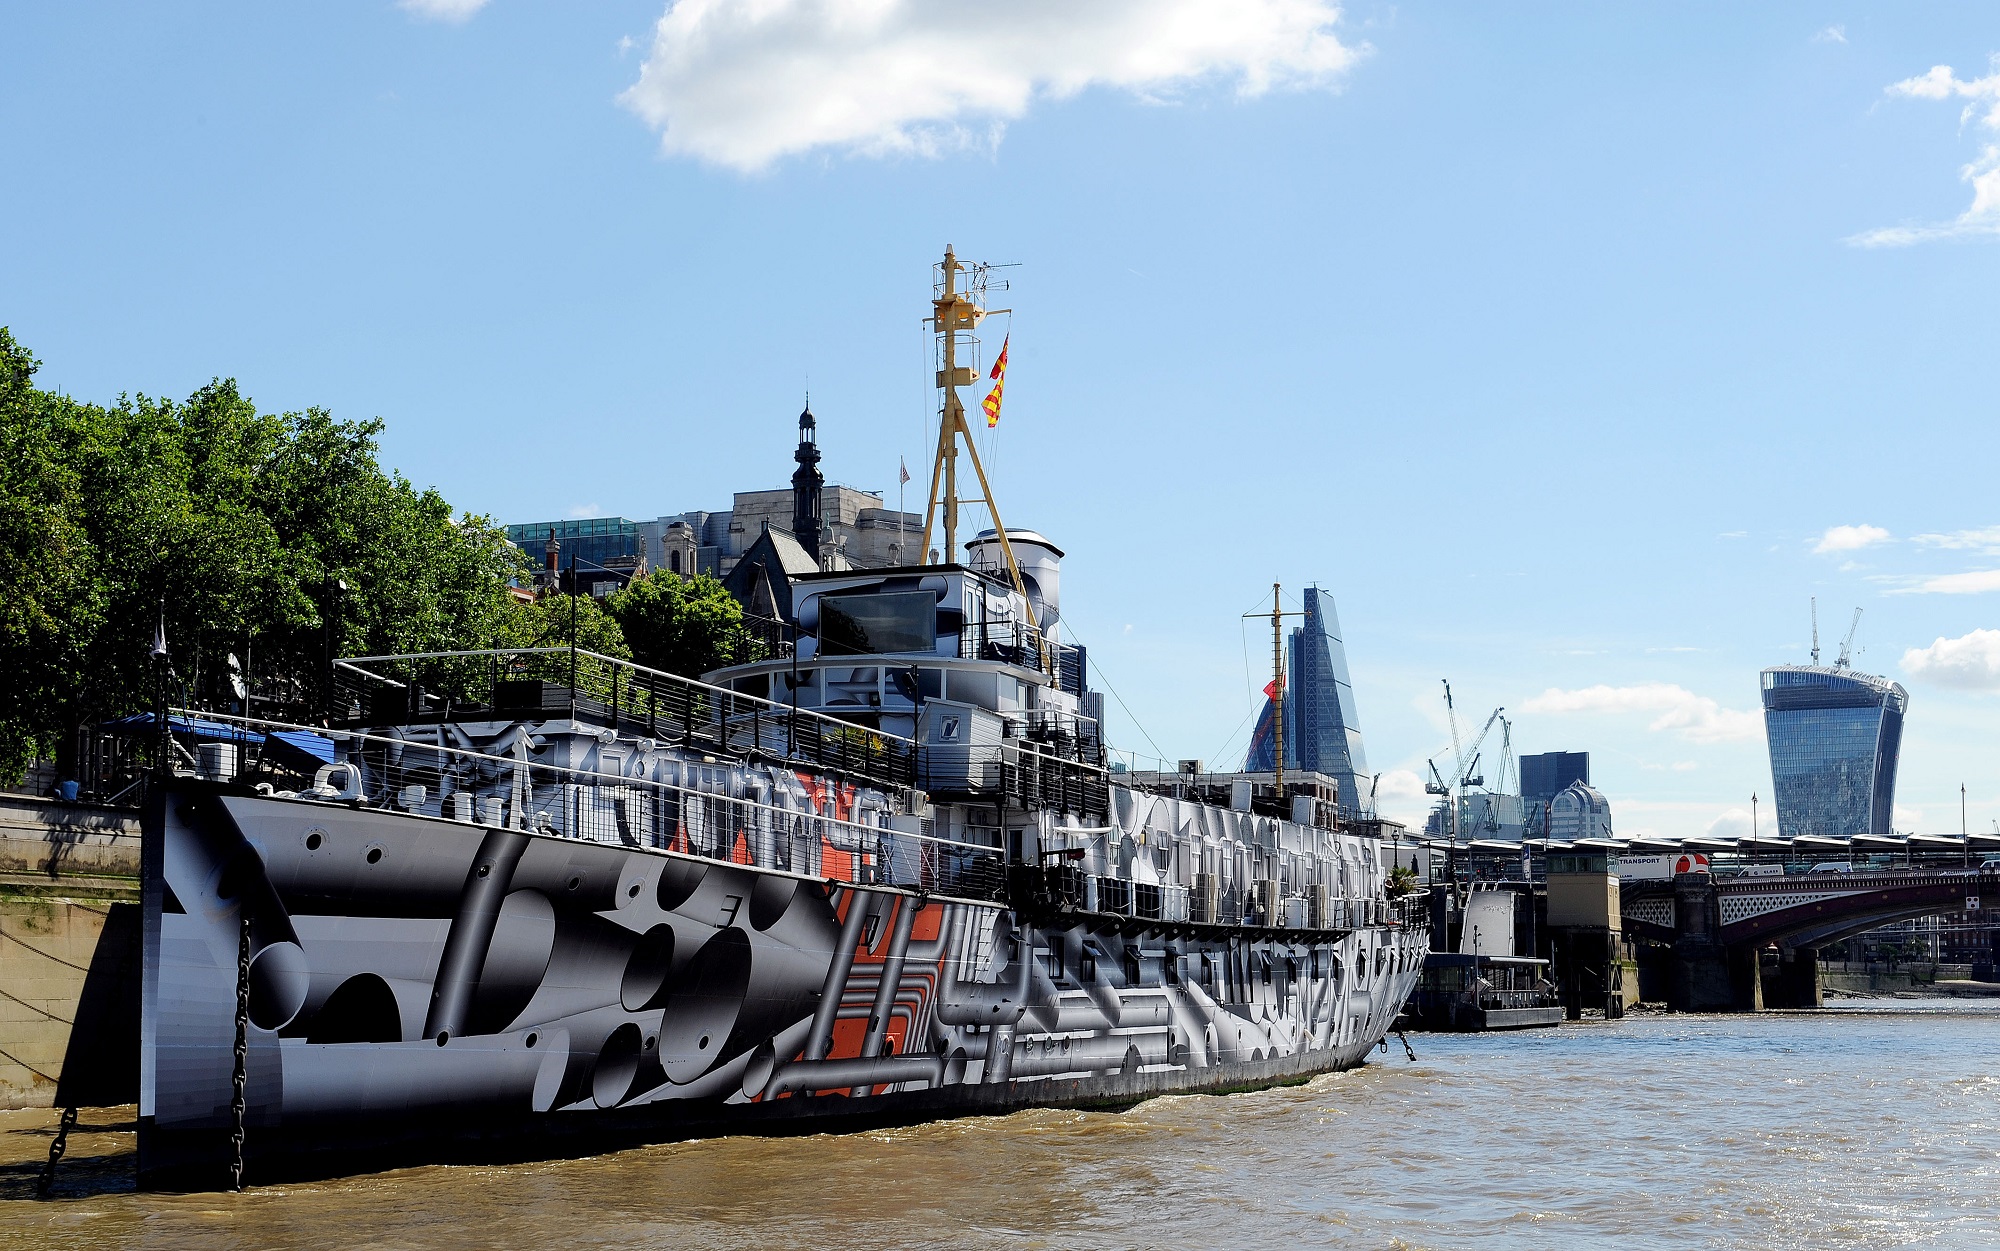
[{"x": 1872, "y": 1124}]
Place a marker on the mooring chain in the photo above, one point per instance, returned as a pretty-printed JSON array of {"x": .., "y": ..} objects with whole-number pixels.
[
  {"x": 1407, "y": 1048},
  {"x": 242, "y": 1071},
  {"x": 56, "y": 1149}
]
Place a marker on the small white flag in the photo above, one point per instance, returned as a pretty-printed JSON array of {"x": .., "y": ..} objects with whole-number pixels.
[
  {"x": 903, "y": 468},
  {"x": 160, "y": 636}
]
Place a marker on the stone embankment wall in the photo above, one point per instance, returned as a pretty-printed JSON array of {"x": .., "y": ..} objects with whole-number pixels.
[{"x": 69, "y": 954}]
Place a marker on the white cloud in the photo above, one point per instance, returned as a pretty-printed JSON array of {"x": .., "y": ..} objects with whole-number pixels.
[
  {"x": 1970, "y": 662},
  {"x": 1905, "y": 818},
  {"x": 578, "y": 511},
  {"x": 1983, "y": 171},
  {"x": 1832, "y": 34},
  {"x": 1696, "y": 718},
  {"x": 442, "y": 10},
  {"x": 1985, "y": 539},
  {"x": 1977, "y": 582},
  {"x": 1850, "y": 538},
  {"x": 1396, "y": 784},
  {"x": 1738, "y": 823},
  {"x": 743, "y": 83}
]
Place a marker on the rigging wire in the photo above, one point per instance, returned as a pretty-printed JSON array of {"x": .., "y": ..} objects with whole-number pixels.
[
  {"x": 1099, "y": 667},
  {"x": 1232, "y": 735}
]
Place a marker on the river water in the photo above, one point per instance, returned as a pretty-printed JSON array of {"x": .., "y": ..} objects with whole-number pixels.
[{"x": 1872, "y": 1124}]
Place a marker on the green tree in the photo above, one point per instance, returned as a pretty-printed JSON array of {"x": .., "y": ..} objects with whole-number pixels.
[
  {"x": 546, "y": 622},
  {"x": 48, "y": 600},
  {"x": 239, "y": 528},
  {"x": 687, "y": 626}
]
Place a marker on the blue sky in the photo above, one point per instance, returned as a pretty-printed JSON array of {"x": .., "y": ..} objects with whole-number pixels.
[{"x": 1572, "y": 347}]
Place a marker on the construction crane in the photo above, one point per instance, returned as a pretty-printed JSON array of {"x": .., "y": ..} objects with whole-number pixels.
[
  {"x": 1466, "y": 761},
  {"x": 1466, "y": 774},
  {"x": 1847, "y": 644}
]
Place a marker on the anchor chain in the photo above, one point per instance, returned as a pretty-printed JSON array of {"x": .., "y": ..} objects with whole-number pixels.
[
  {"x": 241, "y": 1073},
  {"x": 1407, "y": 1048},
  {"x": 61, "y": 1144}
]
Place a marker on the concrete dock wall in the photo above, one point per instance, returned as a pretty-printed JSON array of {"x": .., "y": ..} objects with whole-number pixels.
[{"x": 69, "y": 954}]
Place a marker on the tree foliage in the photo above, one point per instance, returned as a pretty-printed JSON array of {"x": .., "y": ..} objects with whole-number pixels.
[
  {"x": 682, "y": 625},
  {"x": 238, "y": 528},
  {"x": 548, "y": 622}
]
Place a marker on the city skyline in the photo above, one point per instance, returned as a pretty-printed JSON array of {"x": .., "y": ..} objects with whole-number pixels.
[{"x": 1567, "y": 350}]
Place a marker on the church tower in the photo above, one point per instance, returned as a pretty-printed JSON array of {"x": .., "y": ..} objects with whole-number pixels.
[{"x": 806, "y": 483}]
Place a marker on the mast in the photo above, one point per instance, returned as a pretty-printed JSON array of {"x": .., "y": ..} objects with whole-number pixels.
[
  {"x": 956, "y": 312},
  {"x": 1278, "y": 693},
  {"x": 1278, "y": 615}
]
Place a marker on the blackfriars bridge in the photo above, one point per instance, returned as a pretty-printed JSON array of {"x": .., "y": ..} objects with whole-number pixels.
[{"x": 1725, "y": 930}]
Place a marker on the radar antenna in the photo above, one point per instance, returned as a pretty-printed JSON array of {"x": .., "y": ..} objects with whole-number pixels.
[{"x": 1815, "y": 621}]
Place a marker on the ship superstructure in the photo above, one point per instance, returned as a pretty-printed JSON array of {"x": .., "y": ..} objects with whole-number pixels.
[{"x": 543, "y": 901}]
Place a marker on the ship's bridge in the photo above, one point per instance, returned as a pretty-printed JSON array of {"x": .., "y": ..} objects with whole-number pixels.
[
  {"x": 880, "y": 647},
  {"x": 957, "y": 659}
]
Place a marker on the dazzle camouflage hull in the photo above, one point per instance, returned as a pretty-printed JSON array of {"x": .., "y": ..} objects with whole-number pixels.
[{"x": 424, "y": 989}]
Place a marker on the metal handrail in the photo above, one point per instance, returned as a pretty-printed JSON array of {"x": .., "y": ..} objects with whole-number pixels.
[
  {"x": 869, "y": 850},
  {"x": 655, "y": 703},
  {"x": 354, "y": 663}
]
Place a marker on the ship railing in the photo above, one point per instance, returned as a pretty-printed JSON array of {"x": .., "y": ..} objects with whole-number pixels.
[
  {"x": 1015, "y": 771},
  {"x": 544, "y": 683},
  {"x": 1128, "y": 897},
  {"x": 504, "y": 787}
]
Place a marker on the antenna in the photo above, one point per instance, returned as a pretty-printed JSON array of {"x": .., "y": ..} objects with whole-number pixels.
[
  {"x": 1847, "y": 644},
  {"x": 1815, "y": 621}
]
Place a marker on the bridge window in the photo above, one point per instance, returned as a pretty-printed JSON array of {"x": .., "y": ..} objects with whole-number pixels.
[{"x": 862, "y": 625}]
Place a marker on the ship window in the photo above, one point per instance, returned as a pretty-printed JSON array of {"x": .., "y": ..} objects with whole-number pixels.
[
  {"x": 808, "y": 685},
  {"x": 863, "y": 625},
  {"x": 1086, "y": 966},
  {"x": 854, "y": 686},
  {"x": 758, "y": 684},
  {"x": 1132, "y": 972},
  {"x": 930, "y": 683},
  {"x": 1056, "y": 963},
  {"x": 972, "y": 687}
]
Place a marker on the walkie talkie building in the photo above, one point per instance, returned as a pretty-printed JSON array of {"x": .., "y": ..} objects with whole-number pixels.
[{"x": 1834, "y": 737}]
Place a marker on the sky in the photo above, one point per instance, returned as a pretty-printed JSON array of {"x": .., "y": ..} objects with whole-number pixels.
[{"x": 1576, "y": 349}]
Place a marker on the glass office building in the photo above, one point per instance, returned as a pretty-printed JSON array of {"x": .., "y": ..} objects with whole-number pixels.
[
  {"x": 1321, "y": 732},
  {"x": 1834, "y": 737},
  {"x": 593, "y": 540}
]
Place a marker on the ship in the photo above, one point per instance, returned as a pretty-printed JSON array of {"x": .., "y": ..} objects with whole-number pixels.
[{"x": 541, "y": 902}]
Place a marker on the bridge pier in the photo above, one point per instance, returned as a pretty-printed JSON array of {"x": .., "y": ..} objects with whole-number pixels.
[
  {"x": 1710, "y": 977},
  {"x": 1794, "y": 983}
]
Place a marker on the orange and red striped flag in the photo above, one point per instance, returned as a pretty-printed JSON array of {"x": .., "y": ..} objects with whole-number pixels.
[{"x": 999, "y": 375}]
